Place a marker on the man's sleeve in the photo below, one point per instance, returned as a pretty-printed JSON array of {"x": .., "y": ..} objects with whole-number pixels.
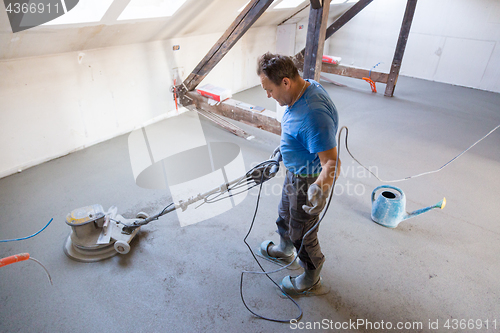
[{"x": 319, "y": 132}]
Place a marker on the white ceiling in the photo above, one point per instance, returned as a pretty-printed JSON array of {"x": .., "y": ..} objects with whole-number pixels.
[{"x": 195, "y": 17}]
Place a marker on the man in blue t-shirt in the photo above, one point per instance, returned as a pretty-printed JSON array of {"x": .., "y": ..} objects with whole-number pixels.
[{"x": 309, "y": 150}]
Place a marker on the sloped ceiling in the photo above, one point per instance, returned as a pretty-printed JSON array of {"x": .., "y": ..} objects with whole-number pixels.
[{"x": 195, "y": 17}]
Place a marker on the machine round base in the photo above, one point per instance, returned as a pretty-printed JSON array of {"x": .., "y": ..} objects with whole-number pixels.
[{"x": 88, "y": 254}]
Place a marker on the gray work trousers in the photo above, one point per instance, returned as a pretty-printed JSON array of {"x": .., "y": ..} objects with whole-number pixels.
[{"x": 293, "y": 222}]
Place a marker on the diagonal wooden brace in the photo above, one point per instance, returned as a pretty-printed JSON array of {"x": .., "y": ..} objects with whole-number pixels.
[
  {"x": 346, "y": 17},
  {"x": 241, "y": 24},
  {"x": 400, "y": 47}
]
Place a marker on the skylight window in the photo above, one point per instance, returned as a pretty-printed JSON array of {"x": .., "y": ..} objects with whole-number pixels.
[
  {"x": 288, "y": 4},
  {"x": 336, "y": 2},
  {"x": 84, "y": 12},
  {"x": 141, "y": 9}
]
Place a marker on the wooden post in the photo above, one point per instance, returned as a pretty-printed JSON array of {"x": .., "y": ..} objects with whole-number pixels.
[
  {"x": 241, "y": 24},
  {"x": 316, "y": 33},
  {"x": 400, "y": 47}
]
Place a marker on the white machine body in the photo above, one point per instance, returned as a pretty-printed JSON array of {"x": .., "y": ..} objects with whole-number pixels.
[{"x": 97, "y": 235}]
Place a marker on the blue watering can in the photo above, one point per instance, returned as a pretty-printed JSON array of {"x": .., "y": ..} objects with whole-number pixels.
[{"x": 390, "y": 207}]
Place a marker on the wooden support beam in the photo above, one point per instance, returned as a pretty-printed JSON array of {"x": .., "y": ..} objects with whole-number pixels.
[
  {"x": 357, "y": 73},
  {"x": 315, "y": 42},
  {"x": 241, "y": 24},
  {"x": 231, "y": 110},
  {"x": 316, "y": 4},
  {"x": 400, "y": 47}
]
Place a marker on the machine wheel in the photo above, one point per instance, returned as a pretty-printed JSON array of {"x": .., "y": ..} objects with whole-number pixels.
[
  {"x": 122, "y": 247},
  {"x": 142, "y": 215}
]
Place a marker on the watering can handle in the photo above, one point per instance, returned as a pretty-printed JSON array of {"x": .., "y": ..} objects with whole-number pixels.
[{"x": 384, "y": 186}]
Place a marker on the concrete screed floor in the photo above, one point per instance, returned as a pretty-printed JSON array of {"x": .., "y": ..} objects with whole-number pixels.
[{"x": 437, "y": 268}]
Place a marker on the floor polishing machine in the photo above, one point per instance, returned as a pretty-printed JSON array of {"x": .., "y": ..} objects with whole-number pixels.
[{"x": 97, "y": 235}]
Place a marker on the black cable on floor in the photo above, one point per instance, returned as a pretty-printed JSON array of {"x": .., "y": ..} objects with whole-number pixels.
[{"x": 263, "y": 271}]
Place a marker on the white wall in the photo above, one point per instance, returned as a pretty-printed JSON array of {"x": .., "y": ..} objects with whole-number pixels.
[
  {"x": 457, "y": 42},
  {"x": 451, "y": 41},
  {"x": 56, "y": 104}
]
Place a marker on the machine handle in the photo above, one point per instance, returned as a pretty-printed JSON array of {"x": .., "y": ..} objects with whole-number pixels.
[
  {"x": 274, "y": 169},
  {"x": 15, "y": 258}
]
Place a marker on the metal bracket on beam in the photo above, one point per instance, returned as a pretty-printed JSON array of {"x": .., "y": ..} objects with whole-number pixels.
[{"x": 183, "y": 99}]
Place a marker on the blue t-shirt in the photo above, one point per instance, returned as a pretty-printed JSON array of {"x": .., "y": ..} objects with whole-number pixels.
[{"x": 307, "y": 128}]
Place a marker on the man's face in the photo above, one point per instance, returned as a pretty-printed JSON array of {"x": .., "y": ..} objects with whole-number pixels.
[{"x": 279, "y": 93}]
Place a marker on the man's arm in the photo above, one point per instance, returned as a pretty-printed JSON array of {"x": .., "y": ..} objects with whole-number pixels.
[
  {"x": 318, "y": 192},
  {"x": 328, "y": 159}
]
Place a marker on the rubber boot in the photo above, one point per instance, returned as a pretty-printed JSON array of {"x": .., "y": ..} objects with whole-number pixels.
[
  {"x": 283, "y": 250},
  {"x": 306, "y": 280}
]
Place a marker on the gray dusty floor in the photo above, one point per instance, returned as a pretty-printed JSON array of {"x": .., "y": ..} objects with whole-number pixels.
[{"x": 435, "y": 268}]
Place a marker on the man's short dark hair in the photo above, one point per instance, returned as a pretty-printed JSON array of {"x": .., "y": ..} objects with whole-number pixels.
[{"x": 276, "y": 67}]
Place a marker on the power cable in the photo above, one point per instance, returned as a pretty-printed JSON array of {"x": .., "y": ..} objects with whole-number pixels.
[
  {"x": 420, "y": 174},
  {"x": 36, "y": 233}
]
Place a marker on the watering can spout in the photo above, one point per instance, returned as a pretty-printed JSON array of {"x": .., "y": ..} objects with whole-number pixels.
[{"x": 440, "y": 204}]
